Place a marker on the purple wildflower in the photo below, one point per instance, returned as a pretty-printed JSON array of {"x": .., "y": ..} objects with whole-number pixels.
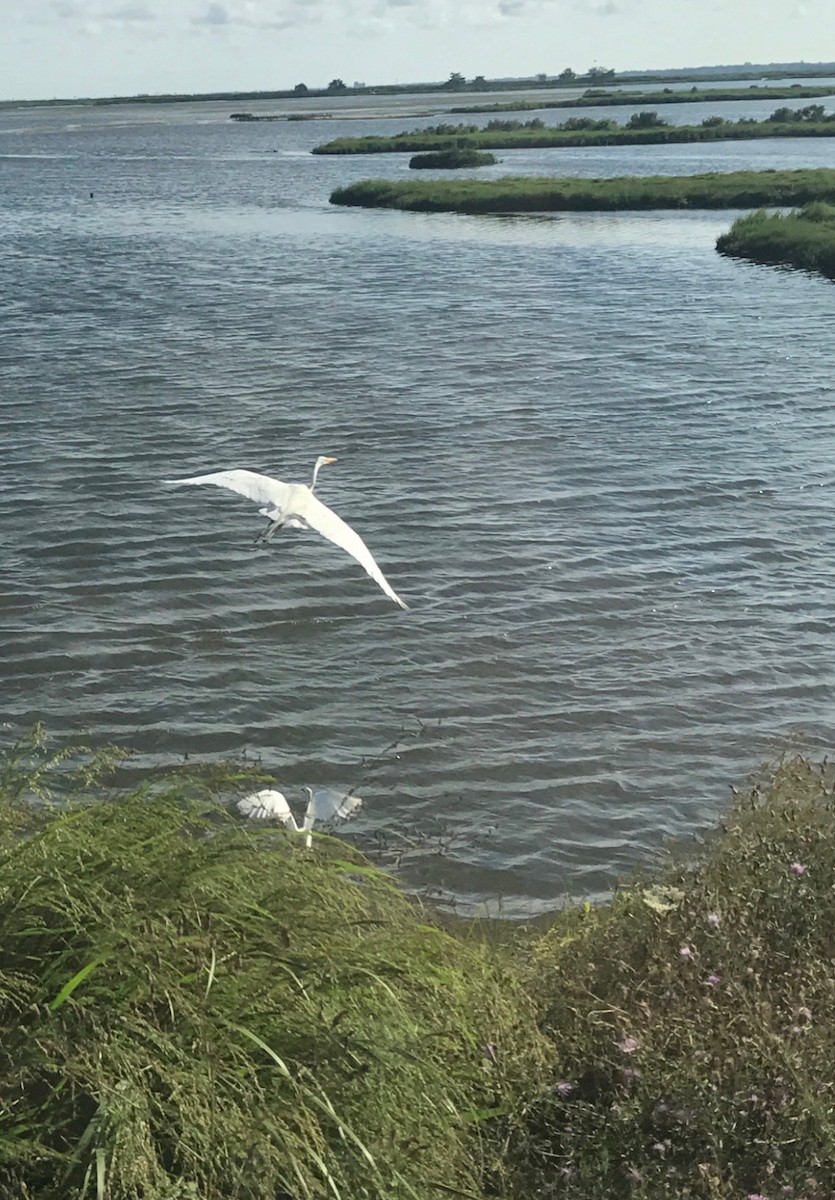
[
  {"x": 565, "y": 1089},
  {"x": 713, "y": 980},
  {"x": 713, "y": 920},
  {"x": 805, "y": 1012},
  {"x": 686, "y": 952},
  {"x": 757, "y": 1196},
  {"x": 627, "y": 1045},
  {"x": 798, "y": 869}
]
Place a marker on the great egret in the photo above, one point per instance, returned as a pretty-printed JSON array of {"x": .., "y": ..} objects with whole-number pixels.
[
  {"x": 294, "y": 505},
  {"x": 323, "y": 805}
]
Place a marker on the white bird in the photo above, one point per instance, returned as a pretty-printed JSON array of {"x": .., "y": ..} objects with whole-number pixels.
[
  {"x": 323, "y": 805},
  {"x": 294, "y": 505}
]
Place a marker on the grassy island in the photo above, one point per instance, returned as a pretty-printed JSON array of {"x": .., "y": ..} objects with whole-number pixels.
[
  {"x": 198, "y": 1006},
  {"x": 804, "y": 239},
  {"x": 452, "y": 160},
  {"x": 644, "y": 128},
  {"x": 735, "y": 189},
  {"x": 596, "y": 97}
]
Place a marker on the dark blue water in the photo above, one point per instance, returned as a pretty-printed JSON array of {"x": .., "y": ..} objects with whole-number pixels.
[{"x": 595, "y": 458}]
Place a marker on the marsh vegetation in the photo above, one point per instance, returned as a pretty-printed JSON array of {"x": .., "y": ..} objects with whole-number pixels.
[
  {"x": 736, "y": 189},
  {"x": 196, "y": 1006},
  {"x": 804, "y": 239},
  {"x": 645, "y": 128},
  {"x": 452, "y": 159}
]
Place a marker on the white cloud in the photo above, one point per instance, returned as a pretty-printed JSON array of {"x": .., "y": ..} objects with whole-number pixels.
[
  {"x": 67, "y": 8},
  {"x": 129, "y": 13},
  {"x": 258, "y": 14},
  {"x": 214, "y": 15}
]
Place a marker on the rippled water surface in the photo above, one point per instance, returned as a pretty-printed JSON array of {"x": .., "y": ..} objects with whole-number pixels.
[{"x": 596, "y": 458}]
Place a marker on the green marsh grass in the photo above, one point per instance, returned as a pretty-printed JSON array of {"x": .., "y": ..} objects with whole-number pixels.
[
  {"x": 804, "y": 239},
  {"x": 738, "y": 189},
  {"x": 538, "y": 136},
  {"x": 693, "y": 1019},
  {"x": 452, "y": 160},
  {"x": 194, "y": 1006}
]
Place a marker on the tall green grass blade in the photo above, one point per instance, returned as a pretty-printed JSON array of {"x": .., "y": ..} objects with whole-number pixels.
[{"x": 71, "y": 984}]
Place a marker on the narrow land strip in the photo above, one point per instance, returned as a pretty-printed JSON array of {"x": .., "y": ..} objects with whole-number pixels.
[
  {"x": 643, "y": 129},
  {"x": 737, "y": 189},
  {"x": 597, "y": 97}
]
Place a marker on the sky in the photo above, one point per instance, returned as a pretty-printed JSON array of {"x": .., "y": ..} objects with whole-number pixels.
[{"x": 76, "y": 48}]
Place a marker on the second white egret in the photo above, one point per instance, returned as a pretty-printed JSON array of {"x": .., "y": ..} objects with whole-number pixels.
[{"x": 324, "y": 804}]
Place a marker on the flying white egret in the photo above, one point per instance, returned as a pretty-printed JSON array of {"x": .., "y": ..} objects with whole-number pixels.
[
  {"x": 294, "y": 505},
  {"x": 325, "y": 804}
]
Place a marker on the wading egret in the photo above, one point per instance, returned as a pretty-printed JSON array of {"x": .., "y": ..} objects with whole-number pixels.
[
  {"x": 325, "y": 804},
  {"x": 294, "y": 506}
]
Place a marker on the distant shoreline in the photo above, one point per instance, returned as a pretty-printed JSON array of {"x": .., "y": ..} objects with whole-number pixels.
[
  {"x": 602, "y": 97},
  {"x": 523, "y": 83}
]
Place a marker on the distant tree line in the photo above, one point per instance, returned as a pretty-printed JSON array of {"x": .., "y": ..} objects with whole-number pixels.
[{"x": 458, "y": 82}]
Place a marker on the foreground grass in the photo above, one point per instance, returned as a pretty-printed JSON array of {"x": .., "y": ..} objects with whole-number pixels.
[
  {"x": 195, "y": 1007},
  {"x": 803, "y": 239},
  {"x": 738, "y": 189},
  {"x": 694, "y": 1020},
  {"x": 575, "y": 132}
]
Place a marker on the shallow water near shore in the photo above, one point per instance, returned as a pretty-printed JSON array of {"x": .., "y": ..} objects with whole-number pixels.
[{"x": 595, "y": 458}]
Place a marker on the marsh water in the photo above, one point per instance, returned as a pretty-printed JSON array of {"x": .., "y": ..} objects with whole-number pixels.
[{"x": 597, "y": 460}]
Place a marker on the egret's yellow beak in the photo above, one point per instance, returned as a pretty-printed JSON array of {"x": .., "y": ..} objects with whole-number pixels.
[{"x": 326, "y": 461}]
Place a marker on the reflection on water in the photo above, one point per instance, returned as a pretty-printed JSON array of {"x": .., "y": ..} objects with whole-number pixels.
[{"x": 593, "y": 456}]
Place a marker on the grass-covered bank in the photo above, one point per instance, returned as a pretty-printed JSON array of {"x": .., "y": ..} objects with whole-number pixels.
[
  {"x": 737, "y": 189},
  {"x": 194, "y": 1006},
  {"x": 694, "y": 1019},
  {"x": 804, "y": 239},
  {"x": 642, "y": 129}
]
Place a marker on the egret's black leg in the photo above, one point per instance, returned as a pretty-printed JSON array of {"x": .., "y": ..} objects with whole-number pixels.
[{"x": 266, "y": 535}]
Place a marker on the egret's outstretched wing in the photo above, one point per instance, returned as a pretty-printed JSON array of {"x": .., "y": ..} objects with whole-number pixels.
[
  {"x": 265, "y": 804},
  {"x": 325, "y": 521},
  {"x": 329, "y": 804},
  {"x": 272, "y": 493}
]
